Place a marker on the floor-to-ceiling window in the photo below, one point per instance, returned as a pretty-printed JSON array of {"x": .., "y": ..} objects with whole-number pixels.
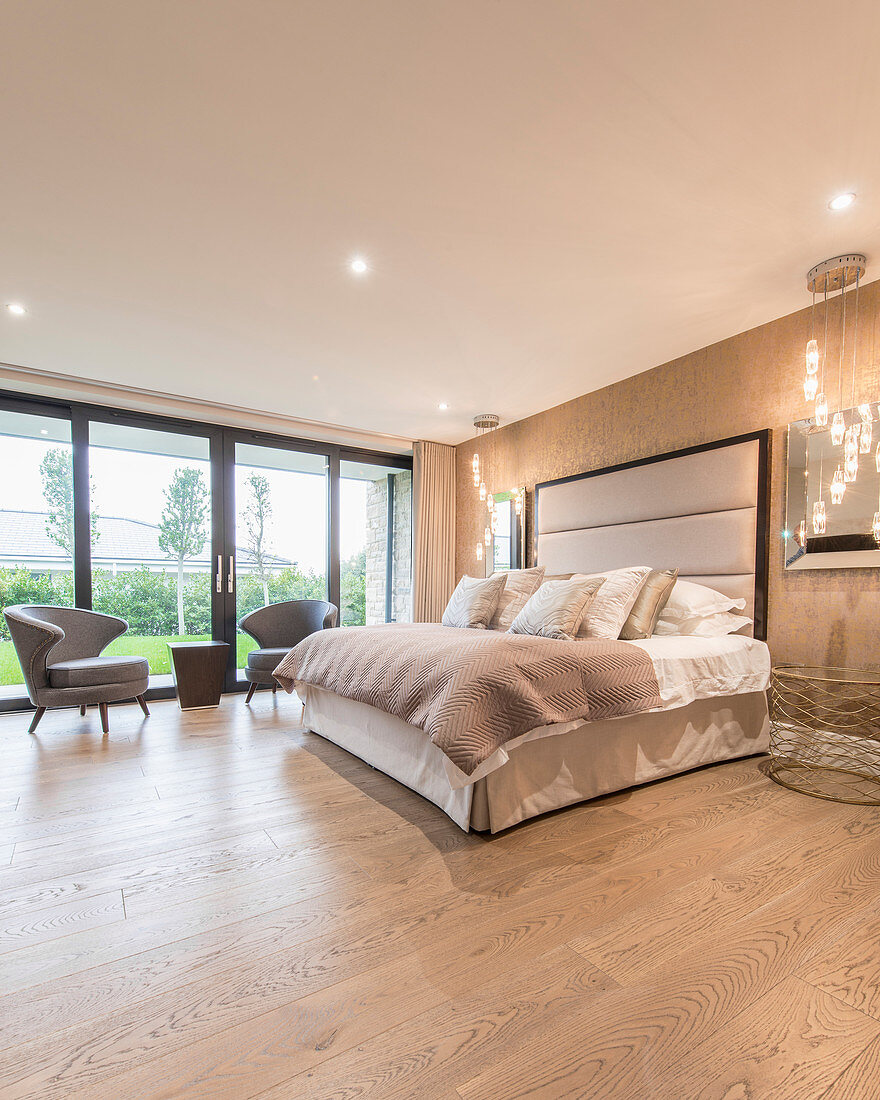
[
  {"x": 150, "y": 537},
  {"x": 36, "y": 522},
  {"x": 376, "y": 543},
  {"x": 181, "y": 528},
  {"x": 281, "y": 509}
]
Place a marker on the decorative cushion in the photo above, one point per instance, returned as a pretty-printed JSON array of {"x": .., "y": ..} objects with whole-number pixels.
[
  {"x": 689, "y": 599},
  {"x": 703, "y": 626},
  {"x": 519, "y": 585},
  {"x": 614, "y": 601},
  {"x": 649, "y": 603},
  {"x": 556, "y": 608},
  {"x": 267, "y": 659},
  {"x": 97, "y": 671},
  {"x": 473, "y": 602}
]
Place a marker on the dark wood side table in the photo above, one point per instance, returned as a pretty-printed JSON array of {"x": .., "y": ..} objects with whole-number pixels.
[{"x": 199, "y": 669}]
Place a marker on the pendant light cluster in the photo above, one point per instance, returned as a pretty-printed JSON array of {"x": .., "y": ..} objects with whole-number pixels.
[
  {"x": 836, "y": 276},
  {"x": 484, "y": 423}
]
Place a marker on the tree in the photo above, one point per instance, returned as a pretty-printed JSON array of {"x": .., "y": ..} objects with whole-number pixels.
[
  {"x": 56, "y": 470},
  {"x": 353, "y": 589},
  {"x": 183, "y": 526},
  {"x": 256, "y": 516}
]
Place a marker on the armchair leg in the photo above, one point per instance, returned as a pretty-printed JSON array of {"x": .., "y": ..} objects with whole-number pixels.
[
  {"x": 105, "y": 717},
  {"x": 274, "y": 686},
  {"x": 82, "y": 710},
  {"x": 143, "y": 705},
  {"x": 36, "y": 719},
  {"x": 250, "y": 694}
]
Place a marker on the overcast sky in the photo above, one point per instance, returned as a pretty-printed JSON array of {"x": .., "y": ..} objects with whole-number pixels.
[{"x": 131, "y": 485}]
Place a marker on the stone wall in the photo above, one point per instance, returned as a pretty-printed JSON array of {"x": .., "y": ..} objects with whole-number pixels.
[{"x": 377, "y": 533}]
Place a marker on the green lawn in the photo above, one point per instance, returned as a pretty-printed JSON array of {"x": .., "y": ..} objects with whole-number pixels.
[{"x": 154, "y": 649}]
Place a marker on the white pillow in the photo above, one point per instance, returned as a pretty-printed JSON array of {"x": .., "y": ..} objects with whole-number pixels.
[
  {"x": 556, "y": 609},
  {"x": 473, "y": 602},
  {"x": 703, "y": 626},
  {"x": 519, "y": 586},
  {"x": 689, "y": 600},
  {"x": 613, "y": 602}
]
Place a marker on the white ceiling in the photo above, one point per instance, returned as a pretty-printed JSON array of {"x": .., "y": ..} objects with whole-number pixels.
[{"x": 552, "y": 195}]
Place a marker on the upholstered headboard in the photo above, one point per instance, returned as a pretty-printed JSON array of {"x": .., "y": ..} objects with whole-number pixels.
[{"x": 703, "y": 511}]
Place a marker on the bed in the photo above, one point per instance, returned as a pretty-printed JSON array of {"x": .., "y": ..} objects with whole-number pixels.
[{"x": 702, "y": 511}]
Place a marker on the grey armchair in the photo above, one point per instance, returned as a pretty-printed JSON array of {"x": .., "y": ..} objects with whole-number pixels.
[
  {"x": 59, "y": 649},
  {"x": 276, "y": 628}
]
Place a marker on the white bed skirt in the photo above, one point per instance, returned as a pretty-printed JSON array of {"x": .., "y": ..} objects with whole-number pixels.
[{"x": 551, "y": 771}]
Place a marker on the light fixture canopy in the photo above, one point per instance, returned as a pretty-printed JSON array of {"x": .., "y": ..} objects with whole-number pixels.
[
  {"x": 16, "y": 308},
  {"x": 359, "y": 265}
]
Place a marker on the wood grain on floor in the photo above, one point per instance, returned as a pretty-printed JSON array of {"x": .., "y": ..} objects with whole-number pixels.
[{"x": 220, "y": 904}]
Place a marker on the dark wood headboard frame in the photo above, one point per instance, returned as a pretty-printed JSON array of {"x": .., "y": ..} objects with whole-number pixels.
[{"x": 762, "y": 539}]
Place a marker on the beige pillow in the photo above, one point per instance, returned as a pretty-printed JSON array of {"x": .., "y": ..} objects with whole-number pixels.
[
  {"x": 519, "y": 585},
  {"x": 556, "y": 609},
  {"x": 617, "y": 596},
  {"x": 651, "y": 600},
  {"x": 473, "y": 602}
]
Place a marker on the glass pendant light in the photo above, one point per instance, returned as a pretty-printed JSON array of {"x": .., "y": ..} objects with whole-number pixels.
[
  {"x": 865, "y": 436},
  {"x": 811, "y": 386},
  {"x": 819, "y": 518},
  {"x": 851, "y": 453},
  {"x": 482, "y": 490},
  {"x": 875, "y": 527},
  {"x": 479, "y": 551},
  {"x": 822, "y": 411},
  {"x": 838, "y": 486},
  {"x": 475, "y": 464},
  {"x": 812, "y": 352},
  {"x": 877, "y": 458},
  {"x": 838, "y": 429},
  {"x": 487, "y": 536}
]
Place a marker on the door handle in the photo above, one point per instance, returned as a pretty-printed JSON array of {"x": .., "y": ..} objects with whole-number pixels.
[
  {"x": 219, "y": 579},
  {"x": 230, "y": 577}
]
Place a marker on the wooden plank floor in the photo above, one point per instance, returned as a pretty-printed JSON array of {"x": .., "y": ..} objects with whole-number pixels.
[{"x": 221, "y": 905}]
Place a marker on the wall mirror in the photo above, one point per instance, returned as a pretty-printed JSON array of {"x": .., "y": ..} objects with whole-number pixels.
[
  {"x": 508, "y": 530},
  {"x": 832, "y": 515}
]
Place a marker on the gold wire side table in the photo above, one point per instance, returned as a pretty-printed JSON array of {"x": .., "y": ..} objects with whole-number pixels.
[{"x": 825, "y": 732}]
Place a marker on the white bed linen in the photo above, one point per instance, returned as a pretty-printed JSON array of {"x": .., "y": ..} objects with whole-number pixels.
[{"x": 689, "y": 667}]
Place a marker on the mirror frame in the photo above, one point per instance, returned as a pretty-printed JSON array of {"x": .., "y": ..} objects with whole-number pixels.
[
  {"x": 517, "y": 529},
  {"x": 796, "y": 499}
]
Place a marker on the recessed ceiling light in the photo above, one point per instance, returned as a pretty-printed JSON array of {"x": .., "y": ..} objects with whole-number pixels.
[
  {"x": 359, "y": 266},
  {"x": 44, "y": 431},
  {"x": 442, "y": 406},
  {"x": 841, "y": 202},
  {"x": 17, "y": 308}
]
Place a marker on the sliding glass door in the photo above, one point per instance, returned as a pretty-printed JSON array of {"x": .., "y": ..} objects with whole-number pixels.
[
  {"x": 279, "y": 540},
  {"x": 36, "y": 522},
  {"x": 151, "y": 538},
  {"x": 182, "y": 528},
  {"x": 375, "y": 502}
]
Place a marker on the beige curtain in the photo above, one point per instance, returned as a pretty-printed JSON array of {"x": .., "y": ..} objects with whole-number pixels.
[{"x": 434, "y": 552}]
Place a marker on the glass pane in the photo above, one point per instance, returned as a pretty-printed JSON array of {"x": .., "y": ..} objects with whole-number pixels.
[
  {"x": 280, "y": 529},
  {"x": 375, "y": 544},
  {"x": 502, "y": 536},
  {"x": 36, "y": 523},
  {"x": 151, "y": 538}
]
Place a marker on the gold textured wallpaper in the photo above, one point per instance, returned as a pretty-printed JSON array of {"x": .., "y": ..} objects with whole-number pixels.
[{"x": 744, "y": 383}]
